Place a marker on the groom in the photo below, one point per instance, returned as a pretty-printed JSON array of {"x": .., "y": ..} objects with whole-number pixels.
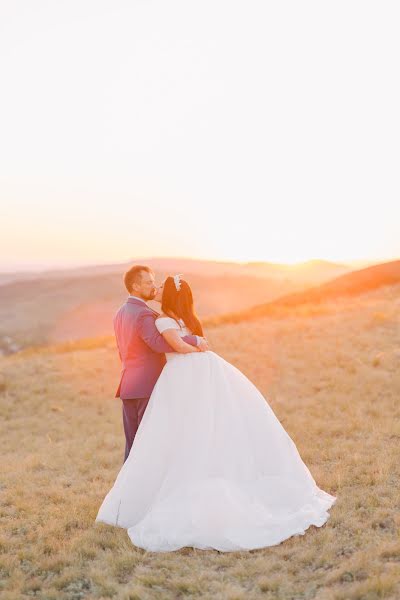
[{"x": 141, "y": 348}]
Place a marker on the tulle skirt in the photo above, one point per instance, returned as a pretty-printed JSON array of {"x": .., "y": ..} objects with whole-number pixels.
[{"x": 211, "y": 466}]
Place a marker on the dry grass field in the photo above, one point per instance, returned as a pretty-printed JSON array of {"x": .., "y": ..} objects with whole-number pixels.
[{"x": 332, "y": 375}]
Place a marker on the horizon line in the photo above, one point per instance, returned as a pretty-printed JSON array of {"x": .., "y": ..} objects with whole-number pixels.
[{"x": 68, "y": 265}]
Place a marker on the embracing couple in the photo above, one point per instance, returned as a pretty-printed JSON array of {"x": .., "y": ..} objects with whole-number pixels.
[{"x": 207, "y": 463}]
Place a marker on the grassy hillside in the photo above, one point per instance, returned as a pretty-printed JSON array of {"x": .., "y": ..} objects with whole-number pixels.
[
  {"x": 333, "y": 380},
  {"x": 357, "y": 282}
]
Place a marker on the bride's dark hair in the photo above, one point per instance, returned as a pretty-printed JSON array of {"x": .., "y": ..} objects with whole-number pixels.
[{"x": 180, "y": 303}]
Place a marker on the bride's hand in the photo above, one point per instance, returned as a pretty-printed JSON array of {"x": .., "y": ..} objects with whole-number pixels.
[{"x": 203, "y": 346}]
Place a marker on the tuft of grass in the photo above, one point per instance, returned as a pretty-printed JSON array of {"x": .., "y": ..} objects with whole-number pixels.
[{"x": 3, "y": 384}]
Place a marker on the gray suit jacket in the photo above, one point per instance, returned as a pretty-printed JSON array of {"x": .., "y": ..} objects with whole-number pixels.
[{"x": 141, "y": 349}]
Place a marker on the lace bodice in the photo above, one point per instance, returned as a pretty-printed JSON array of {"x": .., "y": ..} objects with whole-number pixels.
[{"x": 164, "y": 323}]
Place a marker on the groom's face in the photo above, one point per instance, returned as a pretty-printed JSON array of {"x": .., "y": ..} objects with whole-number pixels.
[
  {"x": 146, "y": 288},
  {"x": 159, "y": 293}
]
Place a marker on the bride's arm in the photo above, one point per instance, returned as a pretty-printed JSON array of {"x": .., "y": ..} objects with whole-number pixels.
[
  {"x": 176, "y": 342},
  {"x": 149, "y": 333}
]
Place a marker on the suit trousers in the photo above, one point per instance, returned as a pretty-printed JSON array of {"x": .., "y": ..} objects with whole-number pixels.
[{"x": 132, "y": 413}]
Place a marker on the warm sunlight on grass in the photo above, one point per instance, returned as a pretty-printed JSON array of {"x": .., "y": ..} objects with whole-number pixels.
[{"x": 332, "y": 377}]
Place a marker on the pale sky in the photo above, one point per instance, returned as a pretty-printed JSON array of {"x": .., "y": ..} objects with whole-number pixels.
[{"x": 224, "y": 129}]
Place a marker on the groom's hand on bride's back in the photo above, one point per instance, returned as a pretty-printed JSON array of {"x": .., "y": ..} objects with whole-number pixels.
[{"x": 203, "y": 345}]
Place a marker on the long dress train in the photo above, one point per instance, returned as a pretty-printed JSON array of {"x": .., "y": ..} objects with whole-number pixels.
[{"x": 211, "y": 465}]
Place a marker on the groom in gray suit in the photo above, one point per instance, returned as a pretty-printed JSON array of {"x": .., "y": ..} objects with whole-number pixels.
[{"x": 141, "y": 348}]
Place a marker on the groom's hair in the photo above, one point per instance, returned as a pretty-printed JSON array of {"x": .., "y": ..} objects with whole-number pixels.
[{"x": 134, "y": 275}]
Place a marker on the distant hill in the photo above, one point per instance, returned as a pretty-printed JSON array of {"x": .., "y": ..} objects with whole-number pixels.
[
  {"x": 350, "y": 284},
  {"x": 313, "y": 271},
  {"x": 70, "y": 304},
  {"x": 310, "y": 271}
]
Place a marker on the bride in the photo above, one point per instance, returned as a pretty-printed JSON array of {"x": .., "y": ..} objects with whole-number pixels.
[{"x": 211, "y": 466}]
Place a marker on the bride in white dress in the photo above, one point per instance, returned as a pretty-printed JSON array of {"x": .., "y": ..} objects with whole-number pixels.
[{"x": 211, "y": 466}]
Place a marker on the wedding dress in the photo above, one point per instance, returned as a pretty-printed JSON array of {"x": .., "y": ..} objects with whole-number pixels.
[{"x": 211, "y": 466}]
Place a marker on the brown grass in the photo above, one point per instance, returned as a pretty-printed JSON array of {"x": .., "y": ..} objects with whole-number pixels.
[{"x": 333, "y": 380}]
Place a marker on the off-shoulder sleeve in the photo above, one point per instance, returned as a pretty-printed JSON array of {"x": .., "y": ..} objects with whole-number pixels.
[{"x": 164, "y": 323}]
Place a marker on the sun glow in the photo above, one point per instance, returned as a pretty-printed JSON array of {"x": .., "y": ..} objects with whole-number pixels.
[{"x": 234, "y": 131}]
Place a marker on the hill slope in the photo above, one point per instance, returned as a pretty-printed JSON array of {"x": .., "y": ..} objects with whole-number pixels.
[{"x": 351, "y": 284}]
